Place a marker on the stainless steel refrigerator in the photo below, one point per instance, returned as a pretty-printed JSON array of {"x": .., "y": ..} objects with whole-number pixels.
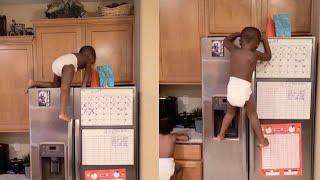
[
  {"x": 284, "y": 90},
  {"x": 100, "y": 141}
]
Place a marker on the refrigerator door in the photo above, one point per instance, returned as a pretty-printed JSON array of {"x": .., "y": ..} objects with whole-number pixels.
[
  {"x": 45, "y": 127},
  {"x": 225, "y": 160},
  {"x": 307, "y": 126}
]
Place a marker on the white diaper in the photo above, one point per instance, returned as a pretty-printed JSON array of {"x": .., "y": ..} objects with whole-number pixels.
[
  {"x": 61, "y": 61},
  {"x": 238, "y": 91},
  {"x": 166, "y": 168}
]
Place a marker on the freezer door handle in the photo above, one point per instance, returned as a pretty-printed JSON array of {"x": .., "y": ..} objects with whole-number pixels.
[
  {"x": 69, "y": 151},
  {"x": 251, "y": 150},
  {"x": 77, "y": 148},
  {"x": 243, "y": 138}
]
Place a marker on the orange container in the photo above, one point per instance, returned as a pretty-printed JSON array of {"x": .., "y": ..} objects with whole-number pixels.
[
  {"x": 270, "y": 30},
  {"x": 95, "y": 78}
]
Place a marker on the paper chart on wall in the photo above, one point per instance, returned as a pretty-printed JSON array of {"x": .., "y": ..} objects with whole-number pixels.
[
  {"x": 283, "y": 156},
  {"x": 106, "y": 107},
  {"x": 291, "y": 58},
  {"x": 107, "y": 147},
  {"x": 284, "y": 100}
]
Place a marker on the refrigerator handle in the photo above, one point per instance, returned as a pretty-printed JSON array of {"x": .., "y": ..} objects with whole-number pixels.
[
  {"x": 69, "y": 153},
  {"x": 243, "y": 138},
  {"x": 251, "y": 150},
  {"x": 77, "y": 148}
]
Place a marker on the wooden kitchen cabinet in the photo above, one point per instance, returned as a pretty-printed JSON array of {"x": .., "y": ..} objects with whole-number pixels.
[
  {"x": 16, "y": 61},
  {"x": 225, "y": 17},
  {"x": 112, "y": 38},
  {"x": 189, "y": 156},
  {"x": 298, "y": 10},
  {"x": 52, "y": 42},
  {"x": 192, "y": 170},
  {"x": 181, "y": 29},
  {"x": 114, "y": 46}
]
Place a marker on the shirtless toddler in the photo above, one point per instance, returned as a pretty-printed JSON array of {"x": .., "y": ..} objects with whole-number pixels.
[
  {"x": 64, "y": 68},
  {"x": 168, "y": 169},
  {"x": 242, "y": 64}
]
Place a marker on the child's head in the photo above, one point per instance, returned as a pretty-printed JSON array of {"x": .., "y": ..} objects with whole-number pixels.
[
  {"x": 166, "y": 125},
  {"x": 89, "y": 52},
  {"x": 251, "y": 37}
]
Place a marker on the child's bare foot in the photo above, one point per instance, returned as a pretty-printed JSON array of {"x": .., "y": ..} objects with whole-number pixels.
[
  {"x": 64, "y": 117},
  {"x": 264, "y": 143},
  {"x": 219, "y": 138}
]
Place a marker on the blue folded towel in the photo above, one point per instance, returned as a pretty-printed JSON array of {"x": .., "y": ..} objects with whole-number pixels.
[
  {"x": 282, "y": 25},
  {"x": 106, "y": 76}
]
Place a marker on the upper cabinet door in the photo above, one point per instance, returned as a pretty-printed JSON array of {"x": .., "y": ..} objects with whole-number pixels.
[
  {"x": 298, "y": 10},
  {"x": 53, "y": 42},
  {"x": 181, "y": 28},
  {"x": 114, "y": 46},
  {"x": 229, "y": 16},
  {"x": 16, "y": 65}
]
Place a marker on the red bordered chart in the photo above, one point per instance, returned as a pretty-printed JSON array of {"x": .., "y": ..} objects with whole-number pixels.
[
  {"x": 283, "y": 156},
  {"x": 106, "y": 174}
]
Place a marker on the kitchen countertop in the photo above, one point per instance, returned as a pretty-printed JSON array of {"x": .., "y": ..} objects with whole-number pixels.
[
  {"x": 194, "y": 137},
  {"x": 13, "y": 177}
]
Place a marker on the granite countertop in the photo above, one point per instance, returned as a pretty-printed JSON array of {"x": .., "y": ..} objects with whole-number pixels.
[
  {"x": 13, "y": 177},
  {"x": 195, "y": 137}
]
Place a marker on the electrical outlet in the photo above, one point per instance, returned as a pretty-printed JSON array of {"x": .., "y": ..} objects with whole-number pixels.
[{"x": 185, "y": 100}]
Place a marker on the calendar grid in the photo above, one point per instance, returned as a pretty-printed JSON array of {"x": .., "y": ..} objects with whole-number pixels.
[
  {"x": 291, "y": 58},
  {"x": 106, "y": 108},
  {"x": 107, "y": 147},
  {"x": 284, "y": 100}
]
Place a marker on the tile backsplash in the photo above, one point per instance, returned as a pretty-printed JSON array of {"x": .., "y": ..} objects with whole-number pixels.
[
  {"x": 18, "y": 144},
  {"x": 189, "y": 96}
]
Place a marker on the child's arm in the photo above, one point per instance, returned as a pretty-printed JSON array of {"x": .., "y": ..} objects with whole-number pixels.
[
  {"x": 228, "y": 41},
  {"x": 181, "y": 137},
  {"x": 86, "y": 75},
  {"x": 266, "y": 56}
]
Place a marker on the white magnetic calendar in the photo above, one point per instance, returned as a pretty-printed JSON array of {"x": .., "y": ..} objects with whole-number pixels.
[
  {"x": 107, "y": 147},
  {"x": 107, "y": 107},
  {"x": 284, "y": 100},
  {"x": 291, "y": 58}
]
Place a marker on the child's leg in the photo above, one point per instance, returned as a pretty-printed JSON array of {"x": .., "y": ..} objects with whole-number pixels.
[
  {"x": 66, "y": 79},
  {"x": 254, "y": 120},
  {"x": 56, "y": 83},
  {"x": 178, "y": 171},
  {"x": 227, "y": 119}
]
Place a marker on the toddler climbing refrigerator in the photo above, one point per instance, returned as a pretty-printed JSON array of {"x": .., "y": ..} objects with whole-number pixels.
[
  {"x": 99, "y": 143},
  {"x": 284, "y": 91}
]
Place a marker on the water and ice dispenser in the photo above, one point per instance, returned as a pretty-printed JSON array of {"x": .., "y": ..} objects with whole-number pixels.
[
  {"x": 53, "y": 159},
  {"x": 219, "y": 105}
]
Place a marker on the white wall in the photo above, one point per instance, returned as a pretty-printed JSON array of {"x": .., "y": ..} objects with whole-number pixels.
[
  {"x": 189, "y": 97},
  {"x": 18, "y": 144}
]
